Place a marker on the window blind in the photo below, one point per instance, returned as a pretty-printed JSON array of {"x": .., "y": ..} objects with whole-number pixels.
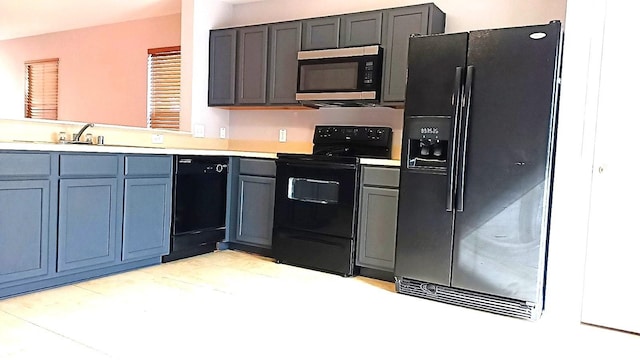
[
  {"x": 163, "y": 109},
  {"x": 41, "y": 89}
]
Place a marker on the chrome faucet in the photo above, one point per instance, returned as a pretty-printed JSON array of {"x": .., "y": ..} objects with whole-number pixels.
[{"x": 76, "y": 138}]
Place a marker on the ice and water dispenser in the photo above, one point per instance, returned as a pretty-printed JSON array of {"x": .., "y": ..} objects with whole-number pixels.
[{"x": 428, "y": 142}]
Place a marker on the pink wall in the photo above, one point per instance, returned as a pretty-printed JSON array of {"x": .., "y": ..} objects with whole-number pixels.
[{"x": 102, "y": 73}]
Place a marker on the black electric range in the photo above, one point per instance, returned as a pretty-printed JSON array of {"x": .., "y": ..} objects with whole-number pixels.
[{"x": 316, "y": 201}]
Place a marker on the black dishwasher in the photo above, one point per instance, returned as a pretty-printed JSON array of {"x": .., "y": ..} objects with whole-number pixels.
[{"x": 199, "y": 205}]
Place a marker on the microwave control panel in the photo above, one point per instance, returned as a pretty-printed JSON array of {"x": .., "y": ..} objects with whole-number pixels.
[{"x": 369, "y": 72}]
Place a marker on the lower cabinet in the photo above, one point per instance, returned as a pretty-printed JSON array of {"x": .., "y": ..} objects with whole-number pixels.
[
  {"x": 147, "y": 218},
  {"x": 66, "y": 217},
  {"x": 255, "y": 209},
  {"x": 377, "y": 218},
  {"x": 250, "y": 213},
  {"x": 86, "y": 223},
  {"x": 24, "y": 229}
]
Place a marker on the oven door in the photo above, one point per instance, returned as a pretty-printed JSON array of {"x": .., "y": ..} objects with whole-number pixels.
[{"x": 316, "y": 197}]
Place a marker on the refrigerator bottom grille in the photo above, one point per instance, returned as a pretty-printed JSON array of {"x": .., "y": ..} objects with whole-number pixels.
[{"x": 478, "y": 301}]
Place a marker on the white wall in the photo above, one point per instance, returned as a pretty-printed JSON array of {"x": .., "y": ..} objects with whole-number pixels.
[
  {"x": 462, "y": 15},
  {"x": 574, "y": 157},
  {"x": 198, "y": 17}
]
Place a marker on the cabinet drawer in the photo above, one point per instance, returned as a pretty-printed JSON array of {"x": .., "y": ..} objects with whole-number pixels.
[
  {"x": 16, "y": 164},
  {"x": 258, "y": 167},
  {"x": 88, "y": 165},
  {"x": 147, "y": 165},
  {"x": 380, "y": 176}
]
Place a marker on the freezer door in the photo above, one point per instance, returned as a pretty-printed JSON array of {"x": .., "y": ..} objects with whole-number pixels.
[
  {"x": 504, "y": 185},
  {"x": 424, "y": 235},
  {"x": 431, "y": 73}
]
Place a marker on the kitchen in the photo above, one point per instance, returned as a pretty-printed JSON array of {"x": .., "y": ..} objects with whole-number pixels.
[{"x": 564, "y": 289}]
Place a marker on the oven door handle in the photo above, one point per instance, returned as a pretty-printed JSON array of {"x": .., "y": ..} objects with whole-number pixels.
[
  {"x": 291, "y": 196},
  {"x": 321, "y": 202}
]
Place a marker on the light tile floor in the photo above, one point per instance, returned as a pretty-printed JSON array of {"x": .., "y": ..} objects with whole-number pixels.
[{"x": 234, "y": 305}]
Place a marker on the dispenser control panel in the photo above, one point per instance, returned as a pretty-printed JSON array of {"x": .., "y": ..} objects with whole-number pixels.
[{"x": 428, "y": 142}]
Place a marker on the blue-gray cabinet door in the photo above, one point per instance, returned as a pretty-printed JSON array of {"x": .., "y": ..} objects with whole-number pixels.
[
  {"x": 320, "y": 33},
  {"x": 284, "y": 45},
  {"x": 147, "y": 218},
  {"x": 222, "y": 67},
  {"x": 398, "y": 25},
  {"x": 377, "y": 228},
  {"x": 256, "y": 197},
  {"x": 24, "y": 229},
  {"x": 361, "y": 29},
  {"x": 86, "y": 223},
  {"x": 251, "y": 84}
]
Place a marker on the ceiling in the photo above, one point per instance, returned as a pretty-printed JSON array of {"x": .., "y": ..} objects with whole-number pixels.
[{"x": 20, "y": 18}]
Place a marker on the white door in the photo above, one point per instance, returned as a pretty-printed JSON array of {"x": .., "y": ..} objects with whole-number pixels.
[{"x": 612, "y": 273}]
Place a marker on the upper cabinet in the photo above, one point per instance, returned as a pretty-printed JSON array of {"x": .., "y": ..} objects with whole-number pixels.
[
  {"x": 258, "y": 65},
  {"x": 321, "y": 33},
  {"x": 398, "y": 25},
  {"x": 251, "y": 84},
  {"x": 260, "y": 68},
  {"x": 222, "y": 67},
  {"x": 284, "y": 44},
  {"x": 361, "y": 29}
]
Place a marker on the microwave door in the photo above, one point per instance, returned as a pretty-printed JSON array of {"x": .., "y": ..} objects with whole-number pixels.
[
  {"x": 339, "y": 75},
  {"x": 328, "y": 76}
]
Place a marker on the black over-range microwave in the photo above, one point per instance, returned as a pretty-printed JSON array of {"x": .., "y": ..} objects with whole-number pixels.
[{"x": 343, "y": 77}]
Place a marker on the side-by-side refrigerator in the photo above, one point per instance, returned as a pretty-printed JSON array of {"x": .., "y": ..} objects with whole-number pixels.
[{"x": 477, "y": 168}]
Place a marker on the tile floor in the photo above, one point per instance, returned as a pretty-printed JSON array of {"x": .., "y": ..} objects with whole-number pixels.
[{"x": 234, "y": 305}]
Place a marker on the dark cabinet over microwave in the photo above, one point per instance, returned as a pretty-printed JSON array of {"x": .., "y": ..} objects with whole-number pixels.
[
  {"x": 320, "y": 33},
  {"x": 361, "y": 29},
  {"x": 257, "y": 65}
]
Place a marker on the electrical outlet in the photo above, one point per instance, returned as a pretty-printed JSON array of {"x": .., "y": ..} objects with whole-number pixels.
[
  {"x": 157, "y": 139},
  {"x": 282, "y": 137},
  {"x": 223, "y": 133},
  {"x": 198, "y": 130}
]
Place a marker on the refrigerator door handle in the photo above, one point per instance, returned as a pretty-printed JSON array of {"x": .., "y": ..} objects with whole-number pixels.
[
  {"x": 456, "y": 102},
  {"x": 466, "y": 106}
]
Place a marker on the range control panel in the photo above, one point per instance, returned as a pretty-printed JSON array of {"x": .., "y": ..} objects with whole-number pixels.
[{"x": 365, "y": 135}]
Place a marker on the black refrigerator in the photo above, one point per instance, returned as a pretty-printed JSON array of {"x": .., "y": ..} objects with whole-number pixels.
[{"x": 477, "y": 167}]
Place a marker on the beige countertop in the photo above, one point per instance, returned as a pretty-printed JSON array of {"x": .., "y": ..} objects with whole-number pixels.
[
  {"x": 380, "y": 162},
  {"x": 50, "y": 146}
]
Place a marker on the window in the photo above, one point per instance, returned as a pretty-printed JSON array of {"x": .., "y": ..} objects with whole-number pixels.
[
  {"x": 41, "y": 89},
  {"x": 163, "y": 98}
]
